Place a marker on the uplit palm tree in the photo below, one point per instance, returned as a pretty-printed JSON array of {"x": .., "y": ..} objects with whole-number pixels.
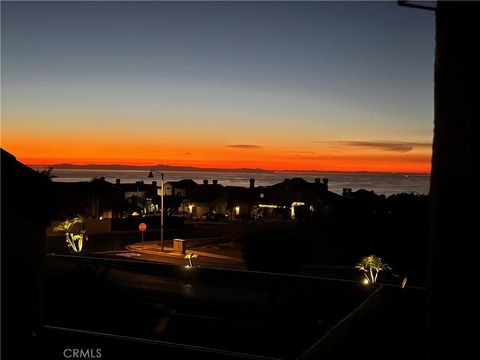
[
  {"x": 74, "y": 237},
  {"x": 189, "y": 257},
  {"x": 371, "y": 266}
]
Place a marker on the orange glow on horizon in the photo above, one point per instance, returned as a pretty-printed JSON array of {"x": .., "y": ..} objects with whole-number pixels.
[
  {"x": 328, "y": 164},
  {"x": 204, "y": 155}
]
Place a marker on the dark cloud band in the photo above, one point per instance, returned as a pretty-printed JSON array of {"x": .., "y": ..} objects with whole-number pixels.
[
  {"x": 245, "y": 146},
  {"x": 395, "y": 146}
]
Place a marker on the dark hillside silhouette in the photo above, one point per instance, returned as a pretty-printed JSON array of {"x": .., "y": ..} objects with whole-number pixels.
[{"x": 26, "y": 212}]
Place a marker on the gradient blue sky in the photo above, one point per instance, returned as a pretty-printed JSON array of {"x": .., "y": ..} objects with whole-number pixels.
[{"x": 304, "y": 85}]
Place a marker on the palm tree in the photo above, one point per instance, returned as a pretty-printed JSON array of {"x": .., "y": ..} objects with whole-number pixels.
[
  {"x": 189, "y": 257},
  {"x": 371, "y": 266},
  {"x": 74, "y": 237},
  {"x": 47, "y": 172}
]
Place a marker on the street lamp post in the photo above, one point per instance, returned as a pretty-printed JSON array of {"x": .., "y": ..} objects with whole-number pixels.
[
  {"x": 161, "y": 213},
  {"x": 150, "y": 175}
]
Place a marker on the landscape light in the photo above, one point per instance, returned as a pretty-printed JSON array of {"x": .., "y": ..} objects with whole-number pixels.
[{"x": 365, "y": 282}]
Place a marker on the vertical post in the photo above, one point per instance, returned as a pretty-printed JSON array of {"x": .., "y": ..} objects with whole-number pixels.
[
  {"x": 142, "y": 239},
  {"x": 453, "y": 262},
  {"x": 161, "y": 213}
]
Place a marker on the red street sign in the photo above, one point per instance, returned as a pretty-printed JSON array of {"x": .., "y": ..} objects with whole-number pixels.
[{"x": 142, "y": 227}]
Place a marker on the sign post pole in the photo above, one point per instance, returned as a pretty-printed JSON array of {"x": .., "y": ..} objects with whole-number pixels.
[
  {"x": 161, "y": 213},
  {"x": 142, "y": 227}
]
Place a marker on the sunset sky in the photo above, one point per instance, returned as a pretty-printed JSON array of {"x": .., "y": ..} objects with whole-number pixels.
[{"x": 302, "y": 86}]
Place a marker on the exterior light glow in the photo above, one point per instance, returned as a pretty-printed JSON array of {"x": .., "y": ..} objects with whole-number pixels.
[
  {"x": 237, "y": 210},
  {"x": 292, "y": 208},
  {"x": 297, "y": 203},
  {"x": 365, "y": 282},
  {"x": 270, "y": 206},
  {"x": 190, "y": 208}
]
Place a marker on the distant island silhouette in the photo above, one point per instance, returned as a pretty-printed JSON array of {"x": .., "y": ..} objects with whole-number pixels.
[{"x": 160, "y": 167}]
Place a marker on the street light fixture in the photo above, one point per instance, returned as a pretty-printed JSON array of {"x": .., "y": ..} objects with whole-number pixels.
[
  {"x": 161, "y": 212},
  {"x": 162, "y": 193}
]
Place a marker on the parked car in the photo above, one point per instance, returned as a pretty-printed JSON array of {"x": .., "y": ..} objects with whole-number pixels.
[
  {"x": 214, "y": 216},
  {"x": 183, "y": 214}
]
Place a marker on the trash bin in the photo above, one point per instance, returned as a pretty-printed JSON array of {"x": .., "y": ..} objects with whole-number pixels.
[{"x": 179, "y": 245}]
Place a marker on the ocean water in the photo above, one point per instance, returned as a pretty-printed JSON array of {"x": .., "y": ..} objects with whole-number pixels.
[{"x": 381, "y": 183}]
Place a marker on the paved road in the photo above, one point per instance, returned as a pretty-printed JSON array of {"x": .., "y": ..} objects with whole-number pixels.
[
  {"x": 255, "y": 313},
  {"x": 172, "y": 259}
]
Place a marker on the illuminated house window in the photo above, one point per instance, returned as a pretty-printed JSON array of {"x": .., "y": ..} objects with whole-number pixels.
[{"x": 237, "y": 210}]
